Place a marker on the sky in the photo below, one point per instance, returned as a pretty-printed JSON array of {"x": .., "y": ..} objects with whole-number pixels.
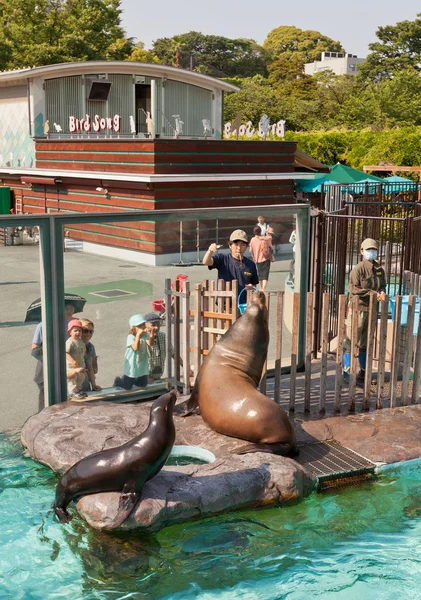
[{"x": 353, "y": 23}]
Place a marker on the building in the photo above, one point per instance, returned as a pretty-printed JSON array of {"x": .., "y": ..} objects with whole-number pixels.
[
  {"x": 100, "y": 136},
  {"x": 338, "y": 62}
]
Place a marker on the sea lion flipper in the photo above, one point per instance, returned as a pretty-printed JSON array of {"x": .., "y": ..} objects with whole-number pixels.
[
  {"x": 279, "y": 448},
  {"x": 188, "y": 407},
  {"x": 62, "y": 515},
  {"x": 128, "y": 497}
]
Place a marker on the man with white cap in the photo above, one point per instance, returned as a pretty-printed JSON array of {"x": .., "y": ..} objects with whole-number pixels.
[
  {"x": 234, "y": 265},
  {"x": 365, "y": 279}
]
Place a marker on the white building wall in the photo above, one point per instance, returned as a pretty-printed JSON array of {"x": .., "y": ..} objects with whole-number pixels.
[
  {"x": 17, "y": 148},
  {"x": 346, "y": 65}
]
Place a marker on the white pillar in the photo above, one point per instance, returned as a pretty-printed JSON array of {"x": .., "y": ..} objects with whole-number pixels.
[{"x": 153, "y": 106}]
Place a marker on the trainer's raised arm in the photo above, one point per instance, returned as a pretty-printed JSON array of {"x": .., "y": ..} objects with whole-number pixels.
[{"x": 207, "y": 259}]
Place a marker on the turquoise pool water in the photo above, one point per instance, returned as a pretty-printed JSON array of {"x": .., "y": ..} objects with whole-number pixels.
[{"x": 359, "y": 543}]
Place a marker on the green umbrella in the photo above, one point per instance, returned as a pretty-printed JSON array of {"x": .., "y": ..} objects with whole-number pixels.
[
  {"x": 338, "y": 174},
  {"x": 344, "y": 174}
]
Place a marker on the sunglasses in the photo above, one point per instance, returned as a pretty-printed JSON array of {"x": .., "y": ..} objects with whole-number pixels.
[{"x": 87, "y": 330}]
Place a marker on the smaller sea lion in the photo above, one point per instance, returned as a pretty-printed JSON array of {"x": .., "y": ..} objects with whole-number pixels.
[{"x": 125, "y": 468}]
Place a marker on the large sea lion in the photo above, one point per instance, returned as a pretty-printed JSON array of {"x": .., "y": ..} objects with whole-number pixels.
[
  {"x": 226, "y": 387},
  {"x": 125, "y": 468}
]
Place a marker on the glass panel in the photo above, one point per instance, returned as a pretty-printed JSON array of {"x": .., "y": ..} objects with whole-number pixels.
[
  {"x": 20, "y": 287},
  {"x": 119, "y": 264},
  {"x": 120, "y": 284}
]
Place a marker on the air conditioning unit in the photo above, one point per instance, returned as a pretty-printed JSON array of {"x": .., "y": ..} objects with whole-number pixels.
[{"x": 98, "y": 90}]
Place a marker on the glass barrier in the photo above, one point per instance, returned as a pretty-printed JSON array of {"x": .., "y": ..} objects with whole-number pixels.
[
  {"x": 105, "y": 269},
  {"x": 20, "y": 313}
]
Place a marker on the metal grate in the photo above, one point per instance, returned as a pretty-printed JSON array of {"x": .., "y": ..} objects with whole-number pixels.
[
  {"x": 334, "y": 465},
  {"x": 112, "y": 293}
]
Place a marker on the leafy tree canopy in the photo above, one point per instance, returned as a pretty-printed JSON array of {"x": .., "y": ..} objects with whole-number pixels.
[
  {"x": 255, "y": 98},
  {"x": 212, "y": 54},
  {"x": 41, "y": 32},
  {"x": 399, "y": 48},
  {"x": 139, "y": 54},
  {"x": 307, "y": 44}
]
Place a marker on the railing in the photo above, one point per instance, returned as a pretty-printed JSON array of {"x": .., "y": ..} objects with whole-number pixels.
[
  {"x": 200, "y": 317},
  {"x": 336, "y": 239},
  {"x": 393, "y": 363}
]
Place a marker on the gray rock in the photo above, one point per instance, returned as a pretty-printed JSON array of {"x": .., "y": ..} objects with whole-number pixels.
[{"x": 61, "y": 435}]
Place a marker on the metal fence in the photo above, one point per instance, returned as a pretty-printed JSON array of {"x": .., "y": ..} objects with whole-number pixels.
[{"x": 392, "y": 219}]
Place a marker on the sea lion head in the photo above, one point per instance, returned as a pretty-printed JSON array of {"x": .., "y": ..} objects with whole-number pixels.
[
  {"x": 258, "y": 298},
  {"x": 257, "y": 306},
  {"x": 164, "y": 404}
]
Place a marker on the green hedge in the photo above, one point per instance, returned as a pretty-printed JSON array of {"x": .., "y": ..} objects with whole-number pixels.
[{"x": 359, "y": 148}]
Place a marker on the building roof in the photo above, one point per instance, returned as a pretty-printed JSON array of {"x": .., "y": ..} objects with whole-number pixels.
[
  {"x": 307, "y": 162},
  {"x": 20, "y": 76}
]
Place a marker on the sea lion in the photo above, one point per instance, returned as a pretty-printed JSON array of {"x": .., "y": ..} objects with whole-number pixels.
[
  {"x": 125, "y": 467},
  {"x": 226, "y": 387}
]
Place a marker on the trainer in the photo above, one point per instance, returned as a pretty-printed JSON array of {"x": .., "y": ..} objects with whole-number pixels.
[
  {"x": 233, "y": 265},
  {"x": 365, "y": 279}
]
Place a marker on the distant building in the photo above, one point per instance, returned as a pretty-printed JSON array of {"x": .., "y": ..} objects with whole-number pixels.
[{"x": 339, "y": 62}]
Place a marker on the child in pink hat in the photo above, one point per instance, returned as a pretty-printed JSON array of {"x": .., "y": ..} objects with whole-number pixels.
[{"x": 75, "y": 360}]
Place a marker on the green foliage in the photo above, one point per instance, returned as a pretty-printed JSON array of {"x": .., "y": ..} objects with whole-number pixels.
[
  {"x": 212, "y": 54},
  {"x": 306, "y": 44},
  {"x": 139, "y": 54},
  {"x": 41, "y": 32},
  {"x": 399, "y": 49},
  {"x": 255, "y": 98},
  {"x": 395, "y": 146}
]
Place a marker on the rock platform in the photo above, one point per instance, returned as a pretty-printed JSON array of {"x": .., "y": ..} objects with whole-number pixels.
[{"x": 61, "y": 435}]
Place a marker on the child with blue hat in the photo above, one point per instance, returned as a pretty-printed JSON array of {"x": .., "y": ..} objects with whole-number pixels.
[{"x": 136, "y": 370}]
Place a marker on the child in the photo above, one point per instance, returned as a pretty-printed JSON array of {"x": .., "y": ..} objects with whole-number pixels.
[
  {"x": 136, "y": 369},
  {"x": 75, "y": 360}
]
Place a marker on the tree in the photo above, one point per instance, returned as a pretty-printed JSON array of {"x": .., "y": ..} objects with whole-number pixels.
[
  {"x": 212, "y": 55},
  {"x": 139, "y": 54},
  {"x": 41, "y": 32},
  {"x": 391, "y": 103},
  {"x": 399, "y": 49},
  {"x": 286, "y": 73},
  {"x": 306, "y": 44},
  {"x": 254, "y": 99}
]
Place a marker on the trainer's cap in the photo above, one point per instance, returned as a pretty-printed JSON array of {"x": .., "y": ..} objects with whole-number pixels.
[
  {"x": 369, "y": 243},
  {"x": 136, "y": 320},
  {"x": 239, "y": 236}
]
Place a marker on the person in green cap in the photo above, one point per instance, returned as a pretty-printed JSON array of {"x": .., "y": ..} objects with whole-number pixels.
[{"x": 366, "y": 278}]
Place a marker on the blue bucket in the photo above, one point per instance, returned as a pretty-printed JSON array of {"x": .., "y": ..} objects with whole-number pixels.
[
  {"x": 241, "y": 306},
  {"x": 404, "y": 311}
]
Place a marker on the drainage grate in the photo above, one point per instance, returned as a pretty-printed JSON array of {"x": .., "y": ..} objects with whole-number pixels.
[
  {"x": 334, "y": 465},
  {"x": 112, "y": 293}
]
